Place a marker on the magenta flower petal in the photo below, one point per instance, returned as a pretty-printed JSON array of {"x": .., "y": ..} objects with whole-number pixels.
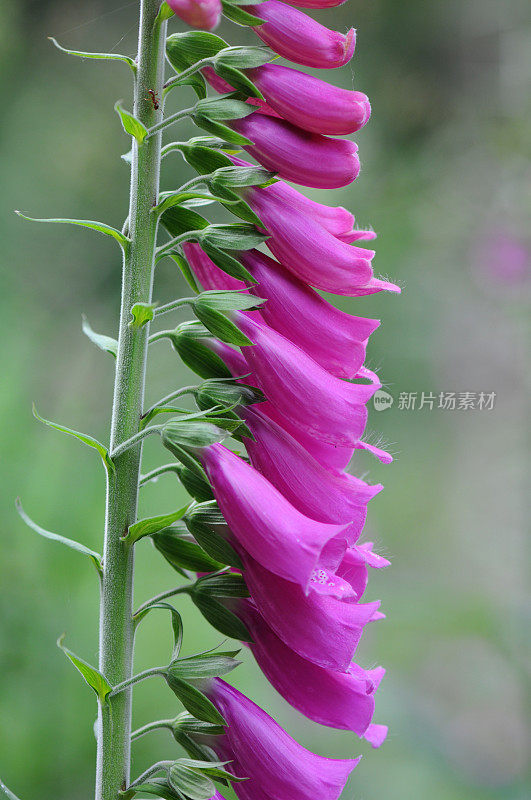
[
  {"x": 336, "y": 340},
  {"x": 206, "y": 272},
  {"x": 204, "y": 14},
  {"x": 302, "y": 391},
  {"x": 277, "y": 766},
  {"x": 318, "y": 626},
  {"x": 308, "y": 250},
  {"x": 342, "y": 700},
  {"x": 315, "y": 3},
  {"x": 301, "y": 39},
  {"x": 311, "y": 103},
  {"x": 376, "y": 734},
  {"x": 312, "y": 489},
  {"x": 296, "y": 155},
  {"x": 266, "y": 525},
  {"x": 353, "y": 568}
]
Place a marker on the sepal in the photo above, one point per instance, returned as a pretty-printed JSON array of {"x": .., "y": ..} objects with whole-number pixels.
[
  {"x": 175, "y": 546},
  {"x": 222, "y": 108},
  {"x": 194, "y": 700},
  {"x": 204, "y": 596},
  {"x": 197, "y": 487},
  {"x": 236, "y": 14},
  {"x": 152, "y": 525},
  {"x": 205, "y": 665},
  {"x": 201, "y": 520},
  {"x": 186, "y": 339}
]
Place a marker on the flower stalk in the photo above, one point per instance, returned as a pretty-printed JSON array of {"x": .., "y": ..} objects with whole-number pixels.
[{"x": 116, "y": 610}]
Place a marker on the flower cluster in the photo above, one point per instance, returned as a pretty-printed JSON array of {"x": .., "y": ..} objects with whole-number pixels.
[{"x": 293, "y": 514}]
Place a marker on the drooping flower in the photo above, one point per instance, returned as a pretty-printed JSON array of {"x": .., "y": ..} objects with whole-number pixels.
[
  {"x": 319, "y": 626},
  {"x": 311, "y": 103},
  {"x": 266, "y": 525},
  {"x": 277, "y": 766},
  {"x": 297, "y": 155},
  {"x": 301, "y": 39},
  {"x": 315, "y": 491},
  {"x": 204, "y": 14},
  {"x": 337, "y": 699}
]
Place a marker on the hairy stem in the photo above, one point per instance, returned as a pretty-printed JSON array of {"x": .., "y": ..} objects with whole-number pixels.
[{"x": 116, "y": 618}]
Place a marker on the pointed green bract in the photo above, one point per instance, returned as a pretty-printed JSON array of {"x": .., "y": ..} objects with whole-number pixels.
[
  {"x": 151, "y": 525},
  {"x": 131, "y": 124},
  {"x": 90, "y": 674},
  {"x": 194, "y": 701},
  {"x": 55, "y": 537},
  {"x": 105, "y": 343},
  {"x": 141, "y": 313},
  {"x": 239, "y": 16},
  {"x": 105, "y": 56},
  {"x": 101, "y": 227},
  {"x": 82, "y": 437}
]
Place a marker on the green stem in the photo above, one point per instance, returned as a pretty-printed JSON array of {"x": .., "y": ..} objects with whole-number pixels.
[
  {"x": 175, "y": 81},
  {"x": 148, "y": 673},
  {"x": 163, "y": 595},
  {"x": 186, "y": 112},
  {"x": 159, "y": 724},
  {"x": 116, "y": 608}
]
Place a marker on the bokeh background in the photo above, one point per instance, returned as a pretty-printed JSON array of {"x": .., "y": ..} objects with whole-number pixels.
[{"x": 444, "y": 183}]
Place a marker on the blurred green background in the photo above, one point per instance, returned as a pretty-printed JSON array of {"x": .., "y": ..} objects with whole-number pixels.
[{"x": 444, "y": 184}]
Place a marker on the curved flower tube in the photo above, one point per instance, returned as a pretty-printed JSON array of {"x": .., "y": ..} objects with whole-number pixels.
[
  {"x": 272, "y": 531},
  {"x": 301, "y": 390},
  {"x": 312, "y": 489},
  {"x": 204, "y": 14},
  {"x": 207, "y": 273},
  {"x": 309, "y": 159},
  {"x": 301, "y": 39},
  {"x": 311, "y": 103},
  {"x": 319, "y": 626},
  {"x": 308, "y": 250},
  {"x": 276, "y": 765},
  {"x": 342, "y": 700}
]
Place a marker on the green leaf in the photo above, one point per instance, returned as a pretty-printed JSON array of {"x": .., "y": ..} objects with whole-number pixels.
[
  {"x": 229, "y": 300},
  {"x": 55, "y": 537},
  {"x": 220, "y": 617},
  {"x": 191, "y": 783},
  {"x": 130, "y": 124},
  {"x": 203, "y": 159},
  {"x": 182, "y": 553},
  {"x": 236, "y": 236},
  {"x": 105, "y": 343},
  {"x": 220, "y": 326},
  {"x": 178, "y": 220},
  {"x": 101, "y": 227},
  {"x": 107, "y": 56},
  {"x": 197, "y": 487},
  {"x": 218, "y": 129},
  {"x": 83, "y": 437},
  {"x": 191, "y": 434},
  {"x": 238, "y": 80},
  {"x": 184, "y": 266},
  {"x": 224, "y": 107},
  {"x": 194, "y": 701},
  {"x": 141, "y": 314},
  {"x": 243, "y": 57},
  {"x": 151, "y": 525},
  {"x": 242, "y": 176},
  {"x": 207, "y": 665},
  {"x": 239, "y": 16},
  {"x": 198, "y": 357},
  {"x": 224, "y": 584},
  {"x": 185, "y": 49},
  {"x": 90, "y": 674}
]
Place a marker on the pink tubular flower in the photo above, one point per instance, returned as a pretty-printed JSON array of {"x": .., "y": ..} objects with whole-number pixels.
[
  {"x": 277, "y": 766},
  {"x": 311, "y": 103},
  {"x": 319, "y": 626},
  {"x": 302, "y": 391},
  {"x": 342, "y": 700},
  {"x": 336, "y": 340},
  {"x": 308, "y": 250},
  {"x": 309, "y": 159},
  {"x": 204, "y": 14},
  {"x": 266, "y": 525},
  {"x": 301, "y": 39},
  {"x": 312, "y": 489},
  {"x": 208, "y": 275}
]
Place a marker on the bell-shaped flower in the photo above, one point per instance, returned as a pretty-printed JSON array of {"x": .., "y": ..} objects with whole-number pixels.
[
  {"x": 301, "y": 39},
  {"x": 312, "y": 399},
  {"x": 278, "y": 768},
  {"x": 308, "y": 250},
  {"x": 336, "y": 340},
  {"x": 207, "y": 273},
  {"x": 353, "y": 567},
  {"x": 266, "y": 525},
  {"x": 318, "y": 625},
  {"x": 309, "y": 159},
  {"x": 342, "y": 700},
  {"x": 311, "y": 488},
  {"x": 204, "y": 14},
  {"x": 311, "y": 103}
]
